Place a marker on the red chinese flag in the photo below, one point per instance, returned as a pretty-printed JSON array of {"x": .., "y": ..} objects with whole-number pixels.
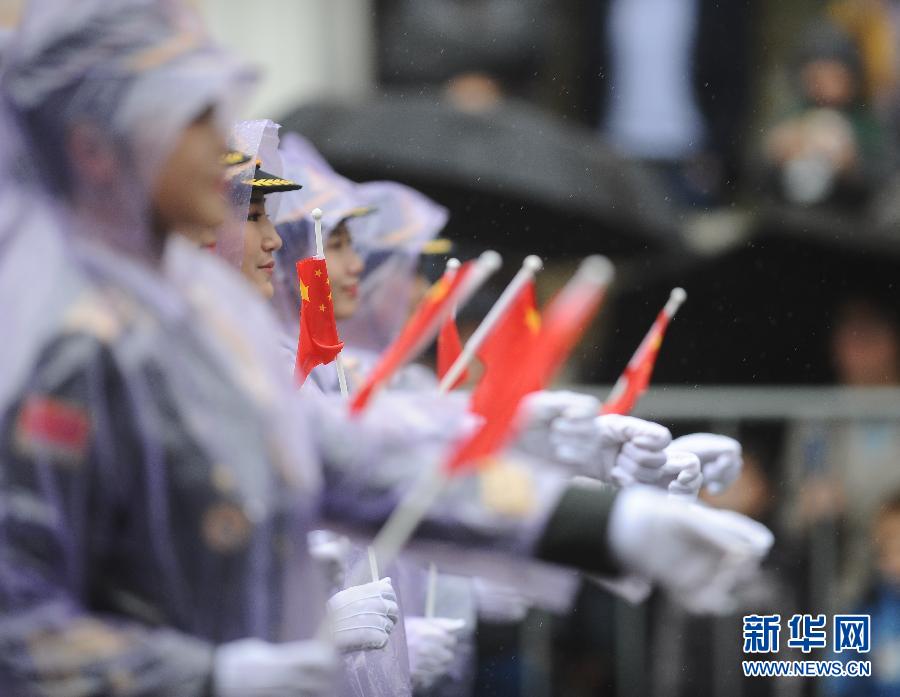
[
  {"x": 636, "y": 377},
  {"x": 319, "y": 342},
  {"x": 525, "y": 370},
  {"x": 415, "y": 335},
  {"x": 510, "y": 338},
  {"x": 449, "y": 347}
]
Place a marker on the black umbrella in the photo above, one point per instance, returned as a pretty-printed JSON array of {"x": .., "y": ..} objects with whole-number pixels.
[
  {"x": 512, "y": 176},
  {"x": 761, "y": 312}
]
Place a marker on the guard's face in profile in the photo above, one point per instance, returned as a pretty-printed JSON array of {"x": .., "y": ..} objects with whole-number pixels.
[
  {"x": 261, "y": 241},
  {"x": 189, "y": 190},
  {"x": 344, "y": 269}
]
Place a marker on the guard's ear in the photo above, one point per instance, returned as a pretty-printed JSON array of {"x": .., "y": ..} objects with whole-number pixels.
[{"x": 94, "y": 160}]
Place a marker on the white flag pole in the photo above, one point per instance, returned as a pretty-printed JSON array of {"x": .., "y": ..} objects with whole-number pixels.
[
  {"x": 317, "y": 223},
  {"x": 530, "y": 266},
  {"x": 320, "y": 254},
  {"x": 373, "y": 564},
  {"x": 450, "y": 270},
  {"x": 453, "y": 265}
]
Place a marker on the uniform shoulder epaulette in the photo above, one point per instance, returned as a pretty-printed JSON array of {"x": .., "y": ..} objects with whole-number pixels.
[{"x": 93, "y": 314}]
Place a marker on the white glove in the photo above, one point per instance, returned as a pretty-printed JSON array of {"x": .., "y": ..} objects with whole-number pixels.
[
  {"x": 498, "y": 602},
  {"x": 546, "y": 406},
  {"x": 700, "y": 555},
  {"x": 331, "y": 552},
  {"x": 540, "y": 414},
  {"x": 255, "y": 668},
  {"x": 631, "y": 450},
  {"x": 720, "y": 458},
  {"x": 431, "y": 643},
  {"x": 363, "y": 617},
  {"x": 616, "y": 449},
  {"x": 681, "y": 475}
]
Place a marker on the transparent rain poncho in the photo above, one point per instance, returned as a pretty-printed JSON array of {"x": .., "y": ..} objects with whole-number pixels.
[
  {"x": 367, "y": 673},
  {"x": 258, "y": 140},
  {"x": 148, "y": 510}
]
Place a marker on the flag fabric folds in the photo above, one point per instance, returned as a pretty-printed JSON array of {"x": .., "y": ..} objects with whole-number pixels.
[
  {"x": 524, "y": 367},
  {"x": 319, "y": 342},
  {"x": 636, "y": 377},
  {"x": 513, "y": 335},
  {"x": 415, "y": 335}
]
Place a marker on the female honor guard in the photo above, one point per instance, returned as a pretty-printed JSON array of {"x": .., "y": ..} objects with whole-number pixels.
[{"x": 152, "y": 541}]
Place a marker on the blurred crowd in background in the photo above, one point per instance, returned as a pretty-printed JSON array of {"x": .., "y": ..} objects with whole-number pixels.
[{"x": 747, "y": 151}]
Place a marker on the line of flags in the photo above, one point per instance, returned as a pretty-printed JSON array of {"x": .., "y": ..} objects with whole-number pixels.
[
  {"x": 520, "y": 354},
  {"x": 507, "y": 345}
]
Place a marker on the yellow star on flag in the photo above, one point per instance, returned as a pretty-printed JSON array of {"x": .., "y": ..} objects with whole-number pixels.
[
  {"x": 327, "y": 281},
  {"x": 329, "y": 296},
  {"x": 304, "y": 292},
  {"x": 321, "y": 308},
  {"x": 533, "y": 320},
  {"x": 318, "y": 272}
]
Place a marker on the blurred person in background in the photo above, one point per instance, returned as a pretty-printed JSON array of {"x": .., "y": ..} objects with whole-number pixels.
[
  {"x": 671, "y": 80},
  {"x": 839, "y": 471},
  {"x": 833, "y": 149},
  {"x": 865, "y": 342},
  {"x": 882, "y": 603},
  {"x": 653, "y": 113},
  {"x": 479, "y": 51},
  {"x": 666, "y": 82},
  {"x": 875, "y": 25}
]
